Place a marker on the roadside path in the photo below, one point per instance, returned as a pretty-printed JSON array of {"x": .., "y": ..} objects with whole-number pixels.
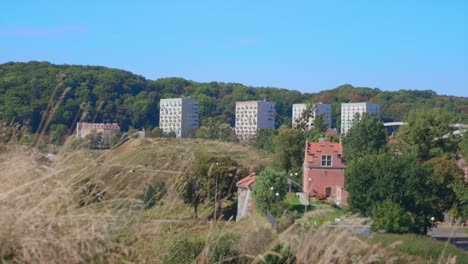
[{"x": 457, "y": 235}]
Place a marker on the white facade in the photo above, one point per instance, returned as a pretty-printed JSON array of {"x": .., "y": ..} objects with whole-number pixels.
[
  {"x": 178, "y": 115},
  {"x": 349, "y": 110},
  {"x": 253, "y": 115},
  {"x": 318, "y": 109}
]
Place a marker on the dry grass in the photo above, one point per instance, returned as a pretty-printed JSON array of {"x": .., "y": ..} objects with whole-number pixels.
[
  {"x": 41, "y": 218},
  {"x": 83, "y": 208}
]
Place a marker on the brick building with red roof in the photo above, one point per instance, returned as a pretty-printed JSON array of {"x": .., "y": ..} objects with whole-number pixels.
[{"x": 324, "y": 171}]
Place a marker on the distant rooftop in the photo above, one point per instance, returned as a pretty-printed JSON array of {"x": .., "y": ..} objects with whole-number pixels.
[{"x": 247, "y": 181}]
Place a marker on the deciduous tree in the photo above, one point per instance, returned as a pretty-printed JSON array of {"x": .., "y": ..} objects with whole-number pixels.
[
  {"x": 264, "y": 139},
  {"x": 289, "y": 149},
  {"x": 212, "y": 178},
  {"x": 428, "y": 133},
  {"x": 400, "y": 179},
  {"x": 59, "y": 133},
  {"x": 268, "y": 184},
  {"x": 367, "y": 136}
]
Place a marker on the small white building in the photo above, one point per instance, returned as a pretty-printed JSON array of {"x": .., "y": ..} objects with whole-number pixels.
[
  {"x": 245, "y": 201},
  {"x": 178, "y": 115},
  {"x": 252, "y": 116},
  {"x": 317, "y": 109},
  {"x": 349, "y": 110}
]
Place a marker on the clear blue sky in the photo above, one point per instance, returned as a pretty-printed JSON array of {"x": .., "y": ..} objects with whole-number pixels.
[{"x": 303, "y": 45}]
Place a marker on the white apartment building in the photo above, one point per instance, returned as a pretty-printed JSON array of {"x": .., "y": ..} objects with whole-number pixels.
[
  {"x": 179, "y": 115},
  {"x": 349, "y": 110},
  {"x": 253, "y": 115},
  {"x": 318, "y": 109}
]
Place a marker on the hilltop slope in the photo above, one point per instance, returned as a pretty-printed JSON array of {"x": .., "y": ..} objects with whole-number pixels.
[
  {"x": 84, "y": 208},
  {"x": 110, "y": 95},
  {"x": 81, "y": 205}
]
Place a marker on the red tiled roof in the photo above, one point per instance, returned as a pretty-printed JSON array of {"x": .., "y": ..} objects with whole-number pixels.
[
  {"x": 324, "y": 147},
  {"x": 315, "y": 150},
  {"x": 247, "y": 181},
  {"x": 85, "y": 125},
  {"x": 331, "y": 132}
]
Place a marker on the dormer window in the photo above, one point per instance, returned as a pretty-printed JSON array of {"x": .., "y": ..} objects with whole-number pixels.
[{"x": 326, "y": 160}]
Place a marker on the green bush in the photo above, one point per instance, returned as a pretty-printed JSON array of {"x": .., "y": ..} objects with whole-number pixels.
[
  {"x": 152, "y": 194},
  {"x": 171, "y": 134},
  {"x": 285, "y": 221},
  {"x": 285, "y": 256},
  {"x": 185, "y": 250},
  {"x": 219, "y": 249},
  {"x": 225, "y": 251},
  {"x": 392, "y": 218},
  {"x": 267, "y": 184}
]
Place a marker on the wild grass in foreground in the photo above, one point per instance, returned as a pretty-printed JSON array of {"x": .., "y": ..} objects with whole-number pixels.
[{"x": 86, "y": 207}]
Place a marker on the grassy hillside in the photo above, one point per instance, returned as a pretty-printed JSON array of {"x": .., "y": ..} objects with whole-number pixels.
[
  {"x": 86, "y": 202},
  {"x": 84, "y": 208}
]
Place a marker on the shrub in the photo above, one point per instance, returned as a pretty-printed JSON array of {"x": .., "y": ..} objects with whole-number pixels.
[
  {"x": 152, "y": 194},
  {"x": 284, "y": 222},
  {"x": 157, "y": 133},
  {"x": 185, "y": 251},
  {"x": 255, "y": 241},
  {"x": 284, "y": 255},
  {"x": 90, "y": 193},
  {"x": 219, "y": 249},
  {"x": 225, "y": 251},
  {"x": 392, "y": 218},
  {"x": 171, "y": 134}
]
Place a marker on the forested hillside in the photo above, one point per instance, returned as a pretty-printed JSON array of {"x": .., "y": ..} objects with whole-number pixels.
[{"x": 102, "y": 94}]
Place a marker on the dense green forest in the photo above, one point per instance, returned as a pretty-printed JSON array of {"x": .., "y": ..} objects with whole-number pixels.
[{"x": 67, "y": 93}]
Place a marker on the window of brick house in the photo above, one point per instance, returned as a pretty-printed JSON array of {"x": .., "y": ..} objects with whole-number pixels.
[{"x": 326, "y": 160}]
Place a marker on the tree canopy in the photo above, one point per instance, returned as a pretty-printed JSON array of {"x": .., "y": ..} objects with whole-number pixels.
[
  {"x": 212, "y": 178},
  {"x": 289, "y": 147},
  {"x": 100, "y": 94},
  {"x": 367, "y": 136},
  {"x": 402, "y": 180},
  {"x": 428, "y": 133},
  {"x": 270, "y": 189}
]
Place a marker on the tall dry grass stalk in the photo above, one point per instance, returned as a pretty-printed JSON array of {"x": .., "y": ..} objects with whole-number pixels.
[
  {"x": 84, "y": 207},
  {"x": 41, "y": 220},
  {"x": 98, "y": 109},
  {"x": 49, "y": 115},
  {"x": 46, "y": 113}
]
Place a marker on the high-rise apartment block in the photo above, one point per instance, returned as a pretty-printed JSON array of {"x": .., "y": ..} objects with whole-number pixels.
[
  {"x": 253, "y": 115},
  {"x": 349, "y": 110},
  {"x": 178, "y": 115},
  {"x": 317, "y": 109}
]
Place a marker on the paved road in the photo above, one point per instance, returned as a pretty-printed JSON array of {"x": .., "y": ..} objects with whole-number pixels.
[{"x": 457, "y": 235}]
